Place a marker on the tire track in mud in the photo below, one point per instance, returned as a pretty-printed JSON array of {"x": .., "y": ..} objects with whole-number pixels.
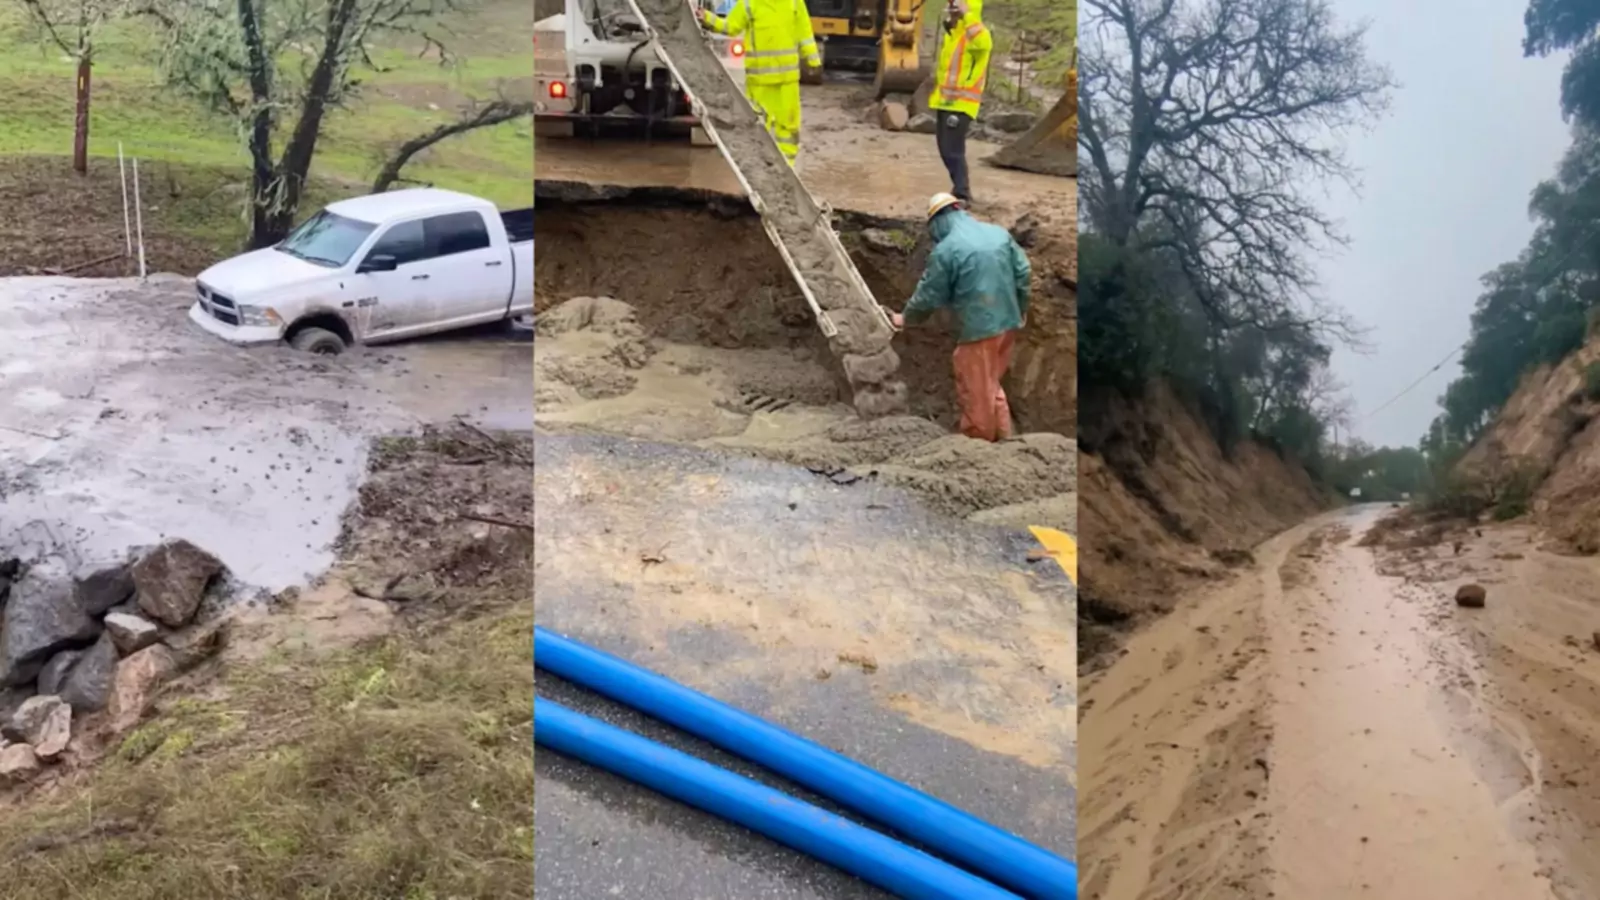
[{"x": 1386, "y": 782}]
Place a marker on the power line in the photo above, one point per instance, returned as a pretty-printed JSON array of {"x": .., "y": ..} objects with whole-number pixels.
[
  {"x": 1412, "y": 386},
  {"x": 1577, "y": 247}
]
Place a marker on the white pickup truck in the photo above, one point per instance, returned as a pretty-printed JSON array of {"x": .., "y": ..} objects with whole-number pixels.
[{"x": 373, "y": 269}]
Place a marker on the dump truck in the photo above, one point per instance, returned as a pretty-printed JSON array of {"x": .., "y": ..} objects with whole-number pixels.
[{"x": 595, "y": 71}]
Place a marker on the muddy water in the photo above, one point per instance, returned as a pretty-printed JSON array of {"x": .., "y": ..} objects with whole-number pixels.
[
  {"x": 124, "y": 424},
  {"x": 1383, "y": 785}
]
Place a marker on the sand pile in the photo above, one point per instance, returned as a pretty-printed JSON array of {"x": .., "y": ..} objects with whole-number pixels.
[{"x": 598, "y": 370}]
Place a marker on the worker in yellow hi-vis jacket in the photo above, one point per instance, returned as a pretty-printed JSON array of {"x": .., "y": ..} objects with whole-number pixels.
[
  {"x": 777, "y": 36},
  {"x": 964, "y": 49}
]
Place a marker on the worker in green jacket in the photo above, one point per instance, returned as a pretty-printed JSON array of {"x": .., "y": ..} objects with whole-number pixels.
[{"x": 977, "y": 271}]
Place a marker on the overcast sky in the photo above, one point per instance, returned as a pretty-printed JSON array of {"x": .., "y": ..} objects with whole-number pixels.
[{"x": 1445, "y": 183}]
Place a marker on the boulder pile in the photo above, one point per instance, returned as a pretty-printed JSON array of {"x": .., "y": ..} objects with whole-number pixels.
[{"x": 96, "y": 645}]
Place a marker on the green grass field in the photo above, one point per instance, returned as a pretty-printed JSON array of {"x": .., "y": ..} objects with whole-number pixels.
[{"x": 200, "y": 153}]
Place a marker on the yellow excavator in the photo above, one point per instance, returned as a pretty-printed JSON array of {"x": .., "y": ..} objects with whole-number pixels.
[
  {"x": 1050, "y": 147},
  {"x": 881, "y": 36}
]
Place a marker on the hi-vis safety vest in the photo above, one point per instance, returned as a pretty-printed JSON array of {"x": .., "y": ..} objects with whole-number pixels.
[
  {"x": 963, "y": 65},
  {"x": 777, "y": 34}
]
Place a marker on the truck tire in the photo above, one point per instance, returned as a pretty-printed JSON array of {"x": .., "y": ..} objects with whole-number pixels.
[{"x": 320, "y": 341}]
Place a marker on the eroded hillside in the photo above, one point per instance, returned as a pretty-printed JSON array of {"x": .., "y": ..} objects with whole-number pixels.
[{"x": 1163, "y": 509}]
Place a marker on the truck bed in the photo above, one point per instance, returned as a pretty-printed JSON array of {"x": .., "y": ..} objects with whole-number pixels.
[{"x": 857, "y": 327}]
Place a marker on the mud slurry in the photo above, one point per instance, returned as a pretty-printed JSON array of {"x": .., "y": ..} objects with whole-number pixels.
[
  {"x": 125, "y": 424},
  {"x": 1531, "y": 663},
  {"x": 598, "y": 370},
  {"x": 863, "y": 341}
]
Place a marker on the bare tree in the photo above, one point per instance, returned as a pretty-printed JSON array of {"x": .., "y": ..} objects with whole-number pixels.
[
  {"x": 1204, "y": 123},
  {"x": 475, "y": 116},
  {"x": 71, "y": 25},
  {"x": 277, "y": 68}
]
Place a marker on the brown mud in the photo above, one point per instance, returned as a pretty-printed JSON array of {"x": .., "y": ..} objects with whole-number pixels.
[
  {"x": 1533, "y": 659},
  {"x": 1316, "y": 728},
  {"x": 599, "y": 368},
  {"x": 863, "y": 339}
]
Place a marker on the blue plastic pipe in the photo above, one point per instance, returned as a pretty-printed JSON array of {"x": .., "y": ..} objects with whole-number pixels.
[
  {"x": 839, "y": 842},
  {"x": 997, "y": 855}
]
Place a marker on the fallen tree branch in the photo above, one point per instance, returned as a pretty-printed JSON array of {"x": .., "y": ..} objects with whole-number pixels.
[{"x": 489, "y": 114}]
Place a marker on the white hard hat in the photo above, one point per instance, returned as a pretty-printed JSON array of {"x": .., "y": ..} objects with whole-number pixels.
[{"x": 938, "y": 203}]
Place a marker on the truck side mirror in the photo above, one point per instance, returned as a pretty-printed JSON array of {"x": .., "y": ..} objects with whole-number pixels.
[{"x": 378, "y": 262}]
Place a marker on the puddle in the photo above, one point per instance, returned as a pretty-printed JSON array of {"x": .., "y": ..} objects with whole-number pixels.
[{"x": 124, "y": 424}]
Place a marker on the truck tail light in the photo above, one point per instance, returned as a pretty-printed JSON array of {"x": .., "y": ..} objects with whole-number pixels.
[
  {"x": 558, "y": 90},
  {"x": 737, "y": 48}
]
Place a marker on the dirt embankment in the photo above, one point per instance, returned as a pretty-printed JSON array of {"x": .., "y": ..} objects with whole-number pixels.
[
  {"x": 1163, "y": 509},
  {"x": 1547, "y": 433},
  {"x": 699, "y": 270}
]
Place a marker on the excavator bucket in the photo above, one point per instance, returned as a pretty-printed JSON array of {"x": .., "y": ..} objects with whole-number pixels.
[{"x": 1050, "y": 147}]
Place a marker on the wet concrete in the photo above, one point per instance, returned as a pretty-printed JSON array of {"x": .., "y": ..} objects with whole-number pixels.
[
  {"x": 121, "y": 423},
  {"x": 750, "y": 580}
]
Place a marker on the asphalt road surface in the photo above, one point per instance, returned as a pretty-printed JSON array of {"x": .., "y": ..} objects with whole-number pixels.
[{"x": 749, "y": 580}]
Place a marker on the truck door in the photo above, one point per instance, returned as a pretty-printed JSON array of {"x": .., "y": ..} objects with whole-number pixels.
[
  {"x": 390, "y": 301},
  {"x": 469, "y": 278}
]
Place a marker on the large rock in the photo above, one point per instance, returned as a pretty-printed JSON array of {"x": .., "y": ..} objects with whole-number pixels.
[
  {"x": 133, "y": 690},
  {"x": 1011, "y": 121},
  {"x": 54, "y": 673},
  {"x": 18, "y": 763},
  {"x": 893, "y": 116},
  {"x": 88, "y": 684},
  {"x": 1472, "y": 596},
  {"x": 42, "y": 619},
  {"x": 171, "y": 581},
  {"x": 131, "y": 633},
  {"x": 45, "y": 722},
  {"x": 104, "y": 588}
]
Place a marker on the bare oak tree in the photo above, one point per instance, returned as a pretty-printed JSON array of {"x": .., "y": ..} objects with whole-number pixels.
[
  {"x": 278, "y": 68},
  {"x": 1205, "y": 123},
  {"x": 72, "y": 25}
]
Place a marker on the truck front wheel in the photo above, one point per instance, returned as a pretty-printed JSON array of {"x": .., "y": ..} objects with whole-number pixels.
[{"x": 317, "y": 340}]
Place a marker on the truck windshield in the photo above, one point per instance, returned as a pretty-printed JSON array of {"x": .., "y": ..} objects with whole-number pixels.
[{"x": 326, "y": 239}]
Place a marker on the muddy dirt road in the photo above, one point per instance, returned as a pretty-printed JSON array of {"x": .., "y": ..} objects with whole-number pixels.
[
  {"x": 925, "y": 646},
  {"x": 123, "y": 423},
  {"x": 1330, "y": 725}
]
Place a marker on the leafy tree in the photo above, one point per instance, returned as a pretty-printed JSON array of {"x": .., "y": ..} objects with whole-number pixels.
[
  {"x": 1535, "y": 309},
  {"x": 71, "y": 26},
  {"x": 278, "y": 68},
  {"x": 1554, "y": 26}
]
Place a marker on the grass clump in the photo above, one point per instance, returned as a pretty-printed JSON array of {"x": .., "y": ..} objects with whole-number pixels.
[{"x": 403, "y": 769}]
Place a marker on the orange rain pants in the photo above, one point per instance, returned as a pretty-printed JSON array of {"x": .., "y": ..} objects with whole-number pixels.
[{"x": 979, "y": 366}]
